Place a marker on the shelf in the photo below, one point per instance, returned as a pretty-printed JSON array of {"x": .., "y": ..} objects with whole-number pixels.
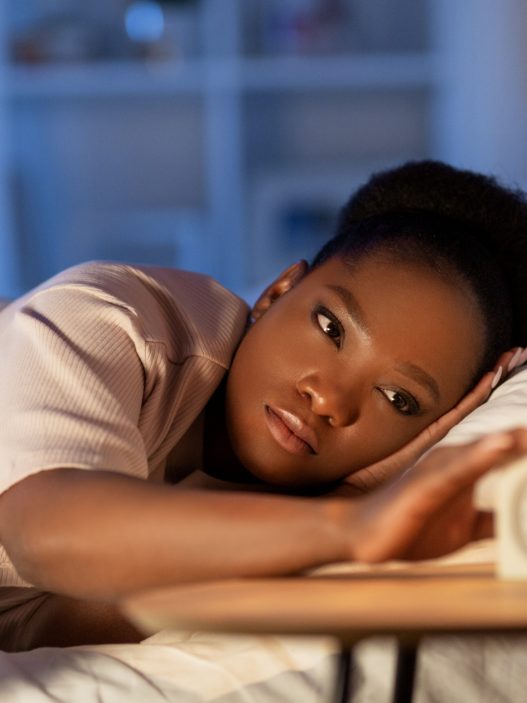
[
  {"x": 104, "y": 79},
  {"x": 373, "y": 71},
  {"x": 95, "y": 146},
  {"x": 166, "y": 79}
]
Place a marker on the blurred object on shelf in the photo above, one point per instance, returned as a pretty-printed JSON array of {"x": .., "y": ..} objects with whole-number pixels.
[
  {"x": 164, "y": 29},
  {"x": 144, "y": 22},
  {"x": 321, "y": 27},
  {"x": 303, "y": 26},
  {"x": 160, "y": 29},
  {"x": 59, "y": 37},
  {"x": 65, "y": 30}
]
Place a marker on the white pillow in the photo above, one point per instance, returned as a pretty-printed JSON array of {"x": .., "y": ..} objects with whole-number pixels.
[{"x": 505, "y": 409}]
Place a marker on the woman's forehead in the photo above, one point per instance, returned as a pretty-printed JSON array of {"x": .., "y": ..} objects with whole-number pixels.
[
  {"x": 379, "y": 272},
  {"x": 410, "y": 312}
]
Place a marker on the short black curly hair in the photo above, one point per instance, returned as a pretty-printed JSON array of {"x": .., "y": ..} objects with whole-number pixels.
[{"x": 458, "y": 222}]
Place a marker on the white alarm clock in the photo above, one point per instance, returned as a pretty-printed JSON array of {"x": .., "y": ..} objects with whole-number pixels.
[{"x": 504, "y": 491}]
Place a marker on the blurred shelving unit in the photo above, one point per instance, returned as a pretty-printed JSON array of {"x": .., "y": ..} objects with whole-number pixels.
[
  {"x": 228, "y": 159},
  {"x": 9, "y": 271}
]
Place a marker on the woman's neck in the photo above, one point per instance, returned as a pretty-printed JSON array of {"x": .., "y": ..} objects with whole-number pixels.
[{"x": 219, "y": 459}]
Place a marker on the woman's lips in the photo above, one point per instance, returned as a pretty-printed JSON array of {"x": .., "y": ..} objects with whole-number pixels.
[{"x": 290, "y": 432}]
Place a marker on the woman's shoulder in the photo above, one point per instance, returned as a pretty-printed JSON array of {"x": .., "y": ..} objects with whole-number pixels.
[{"x": 188, "y": 312}]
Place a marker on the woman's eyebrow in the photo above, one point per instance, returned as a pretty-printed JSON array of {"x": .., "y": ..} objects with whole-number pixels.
[
  {"x": 356, "y": 313},
  {"x": 421, "y": 376},
  {"x": 352, "y": 306}
]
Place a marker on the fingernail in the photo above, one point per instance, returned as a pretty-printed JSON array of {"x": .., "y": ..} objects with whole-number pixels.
[
  {"x": 496, "y": 378},
  {"x": 513, "y": 362},
  {"x": 523, "y": 357}
]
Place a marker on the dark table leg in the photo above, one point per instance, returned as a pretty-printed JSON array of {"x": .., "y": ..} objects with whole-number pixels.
[
  {"x": 405, "y": 673},
  {"x": 344, "y": 673}
]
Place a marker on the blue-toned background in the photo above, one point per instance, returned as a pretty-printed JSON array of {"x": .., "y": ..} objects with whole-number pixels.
[{"x": 222, "y": 135}]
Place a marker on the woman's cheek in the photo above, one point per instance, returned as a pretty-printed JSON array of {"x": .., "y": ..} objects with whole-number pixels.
[{"x": 380, "y": 435}]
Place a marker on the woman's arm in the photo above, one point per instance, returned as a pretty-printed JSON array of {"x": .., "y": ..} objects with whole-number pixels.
[
  {"x": 101, "y": 534},
  {"x": 91, "y": 534}
]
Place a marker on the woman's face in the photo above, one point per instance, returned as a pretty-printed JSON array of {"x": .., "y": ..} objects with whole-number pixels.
[{"x": 345, "y": 365}]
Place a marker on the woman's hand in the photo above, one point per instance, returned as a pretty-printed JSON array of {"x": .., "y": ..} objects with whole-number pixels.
[
  {"x": 429, "y": 511},
  {"x": 367, "y": 479}
]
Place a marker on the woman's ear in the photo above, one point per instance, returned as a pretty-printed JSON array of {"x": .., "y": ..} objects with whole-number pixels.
[{"x": 285, "y": 281}]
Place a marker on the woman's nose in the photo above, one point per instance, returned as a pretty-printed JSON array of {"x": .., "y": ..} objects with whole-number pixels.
[{"x": 331, "y": 400}]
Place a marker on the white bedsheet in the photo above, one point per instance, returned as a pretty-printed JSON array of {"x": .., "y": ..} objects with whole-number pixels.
[
  {"x": 451, "y": 670},
  {"x": 172, "y": 666}
]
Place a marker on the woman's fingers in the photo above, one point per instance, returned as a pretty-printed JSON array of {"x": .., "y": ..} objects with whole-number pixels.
[
  {"x": 448, "y": 469},
  {"x": 429, "y": 510}
]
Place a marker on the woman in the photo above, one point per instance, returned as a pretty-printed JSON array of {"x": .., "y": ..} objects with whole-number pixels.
[{"x": 117, "y": 381}]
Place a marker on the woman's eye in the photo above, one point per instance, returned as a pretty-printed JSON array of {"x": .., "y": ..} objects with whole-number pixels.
[
  {"x": 329, "y": 326},
  {"x": 404, "y": 404}
]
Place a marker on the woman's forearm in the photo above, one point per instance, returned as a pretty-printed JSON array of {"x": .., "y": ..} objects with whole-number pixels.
[
  {"x": 93, "y": 534},
  {"x": 100, "y": 534}
]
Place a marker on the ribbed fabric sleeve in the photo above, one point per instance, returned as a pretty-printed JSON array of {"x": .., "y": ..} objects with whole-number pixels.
[{"x": 106, "y": 366}]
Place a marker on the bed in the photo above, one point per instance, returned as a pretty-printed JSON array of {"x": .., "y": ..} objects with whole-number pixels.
[{"x": 198, "y": 666}]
